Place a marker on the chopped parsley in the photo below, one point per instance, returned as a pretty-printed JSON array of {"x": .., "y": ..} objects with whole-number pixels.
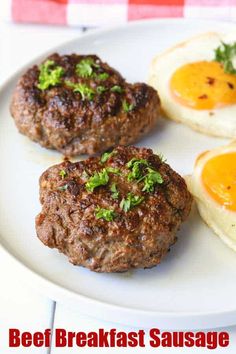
[
  {"x": 106, "y": 214},
  {"x": 130, "y": 201},
  {"x": 85, "y": 91},
  {"x": 149, "y": 176},
  {"x": 50, "y": 75},
  {"x": 135, "y": 166},
  {"x": 85, "y": 67},
  {"x": 102, "y": 76},
  {"x": 115, "y": 193},
  {"x": 127, "y": 107},
  {"x": 225, "y": 54},
  {"x": 116, "y": 88},
  {"x": 98, "y": 179},
  {"x": 151, "y": 179},
  {"x": 114, "y": 170},
  {"x": 105, "y": 156},
  {"x": 63, "y": 188},
  {"x": 62, "y": 173},
  {"x": 101, "y": 89}
]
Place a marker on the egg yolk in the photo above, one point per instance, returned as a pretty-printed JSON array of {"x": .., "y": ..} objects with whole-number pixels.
[
  {"x": 203, "y": 85},
  {"x": 219, "y": 179}
]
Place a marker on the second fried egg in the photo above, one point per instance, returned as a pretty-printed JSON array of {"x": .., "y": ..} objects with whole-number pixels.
[{"x": 213, "y": 185}]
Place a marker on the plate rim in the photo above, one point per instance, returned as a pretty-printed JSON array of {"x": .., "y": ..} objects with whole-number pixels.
[{"x": 101, "y": 309}]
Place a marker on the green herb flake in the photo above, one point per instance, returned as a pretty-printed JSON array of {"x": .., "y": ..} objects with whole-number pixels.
[
  {"x": 63, "y": 174},
  {"x": 85, "y": 67},
  {"x": 105, "y": 214},
  {"x": 102, "y": 76},
  {"x": 85, "y": 91},
  {"x": 114, "y": 170},
  {"x": 151, "y": 179},
  {"x": 101, "y": 89},
  {"x": 116, "y": 88},
  {"x": 147, "y": 174},
  {"x": 127, "y": 107},
  {"x": 63, "y": 188},
  {"x": 105, "y": 156},
  {"x": 135, "y": 161},
  {"x": 225, "y": 54},
  {"x": 50, "y": 75},
  {"x": 115, "y": 192},
  {"x": 135, "y": 166},
  {"x": 130, "y": 201},
  {"x": 98, "y": 179}
]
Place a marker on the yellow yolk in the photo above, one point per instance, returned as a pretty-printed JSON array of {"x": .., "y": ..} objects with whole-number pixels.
[
  {"x": 203, "y": 85},
  {"x": 219, "y": 179}
]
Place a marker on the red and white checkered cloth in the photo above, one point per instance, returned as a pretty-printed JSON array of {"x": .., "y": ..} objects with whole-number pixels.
[{"x": 107, "y": 12}]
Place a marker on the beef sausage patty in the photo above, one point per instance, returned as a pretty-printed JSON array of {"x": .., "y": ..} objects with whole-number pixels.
[
  {"x": 113, "y": 213},
  {"x": 80, "y": 105}
]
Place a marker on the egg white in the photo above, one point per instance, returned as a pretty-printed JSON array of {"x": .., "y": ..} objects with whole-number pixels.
[
  {"x": 221, "y": 220},
  {"x": 217, "y": 122}
]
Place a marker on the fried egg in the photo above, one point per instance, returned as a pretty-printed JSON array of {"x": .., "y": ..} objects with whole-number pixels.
[
  {"x": 194, "y": 89},
  {"x": 213, "y": 185}
]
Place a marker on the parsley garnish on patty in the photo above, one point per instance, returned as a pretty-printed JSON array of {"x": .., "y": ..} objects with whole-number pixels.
[
  {"x": 106, "y": 214},
  {"x": 130, "y": 201},
  {"x": 114, "y": 190},
  {"x": 101, "y": 89},
  {"x": 141, "y": 171},
  {"x": 102, "y": 76},
  {"x": 63, "y": 188},
  {"x": 98, "y": 179},
  {"x": 85, "y": 91},
  {"x": 151, "y": 179},
  {"x": 114, "y": 170},
  {"x": 116, "y": 88},
  {"x": 127, "y": 107},
  {"x": 105, "y": 156},
  {"x": 135, "y": 166},
  {"x": 85, "y": 67},
  {"x": 50, "y": 75},
  {"x": 62, "y": 173}
]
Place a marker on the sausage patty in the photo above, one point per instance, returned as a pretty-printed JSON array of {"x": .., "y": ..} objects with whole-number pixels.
[
  {"x": 78, "y": 104},
  {"x": 115, "y": 212}
]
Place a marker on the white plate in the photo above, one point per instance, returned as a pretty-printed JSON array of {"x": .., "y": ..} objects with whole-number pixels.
[{"x": 195, "y": 286}]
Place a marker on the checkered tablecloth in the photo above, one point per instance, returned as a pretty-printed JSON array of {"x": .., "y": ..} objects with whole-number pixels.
[{"x": 107, "y": 12}]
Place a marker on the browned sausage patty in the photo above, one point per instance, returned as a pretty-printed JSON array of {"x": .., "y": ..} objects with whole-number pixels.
[
  {"x": 80, "y": 105},
  {"x": 114, "y": 213}
]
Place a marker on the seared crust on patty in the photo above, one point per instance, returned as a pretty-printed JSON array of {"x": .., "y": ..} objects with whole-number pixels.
[
  {"x": 58, "y": 118},
  {"x": 138, "y": 238}
]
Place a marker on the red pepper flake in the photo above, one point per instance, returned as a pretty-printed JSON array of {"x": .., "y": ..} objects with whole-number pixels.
[
  {"x": 203, "y": 97},
  {"x": 231, "y": 86},
  {"x": 210, "y": 80}
]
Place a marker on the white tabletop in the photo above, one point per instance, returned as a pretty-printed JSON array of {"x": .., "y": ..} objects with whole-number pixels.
[{"x": 21, "y": 306}]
